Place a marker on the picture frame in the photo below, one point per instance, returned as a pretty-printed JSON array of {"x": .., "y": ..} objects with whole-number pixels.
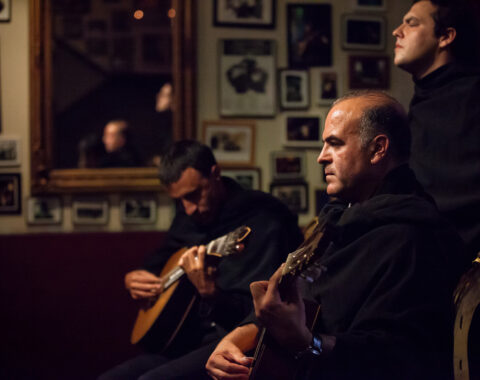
[
  {"x": 288, "y": 165},
  {"x": 303, "y": 132},
  {"x": 293, "y": 194},
  {"x": 5, "y": 10},
  {"x": 10, "y": 151},
  {"x": 10, "y": 193},
  {"x": 247, "y": 78},
  {"x": 294, "y": 89},
  {"x": 370, "y": 5},
  {"x": 232, "y": 141},
  {"x": 328, "y": 86},
  {"x": 90, "y": 211},
  {"x": 244, "y": 14},
  {"x": 367, "y": 72},
  {"x": 309, "y": 35},
  {"x": 249, "y": 178},
  {"x": 363, "y": 32},
  {"x": 44, "y": 210},
  {"x": 138, "y": 210}
]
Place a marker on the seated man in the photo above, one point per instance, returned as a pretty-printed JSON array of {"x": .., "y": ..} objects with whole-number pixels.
[
  {"x": 208, "y": 206},
  {"x": 390, "y": 266}
]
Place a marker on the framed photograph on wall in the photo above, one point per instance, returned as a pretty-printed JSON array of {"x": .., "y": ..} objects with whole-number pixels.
[
  {"x": 10, "y": 152},
  {"x": 244, "y": 13},
  {"x": 249, "y": 178},
  {"x": 90, "y": 211},
  {"x": 293, "y": 194},
  {"x": 44, "y": 210},
  {"x": 232, "y": 141},
  {"x": 328, "y": 86},
  {"x": 10, "y": 193},
  {"x": 309, "y": 35},
  {"x": 370, "y": 5},
  {"x": 369, "y": 72},
  {"x": 138, "y": 210},
  {"x": 294, "y": 89},
  {"x": 363, "y": 32},
  {"x": 304, "y": 132},
  {"x": 247, "y": 78},
  {"x": 5, "y": 10},
  {"x": 288, "y": 165}
]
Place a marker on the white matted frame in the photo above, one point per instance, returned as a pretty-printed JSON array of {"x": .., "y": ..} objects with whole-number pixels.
[
  {"x": 363, "y": 32},
  {"x": 288, "y": 164},
  {"x": 303, "y": 132},
  {"x": 249, "y": 178},
  {"x": 294, "y": 89},
  {"x": 245, "y": 14},
  {"x": 328, "y": 86},
  {"x": 138, "y": 210},
  {"x": 370, "y": 5},
  {"x": 10, "y": 152},
  {"x": 232, "y": 141},
  {"x": 90, "y": 211},
  {"x": 44, "y": 210},
  {"x": 293, "y": 194}
]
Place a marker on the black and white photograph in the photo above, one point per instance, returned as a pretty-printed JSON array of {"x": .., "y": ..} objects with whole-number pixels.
[
  {"x": 294, "y": 195},
  {"x": 138, "y": 210},
  {"x": 247, "y": 78},
  {"x": 249, "y": 178},
  {"x": 10, "y": 193},
  {"x": 5, "y": 10},
  {"x": 309, "y": 29},
  {"x": 363, "y": 32},
  {"x": 327, "y": 86},
  {"x": 244, "y": 13},
  {"x": 10, "y": 153},
  {"x": 44, "y": 210},
  {"x": 90, "y": 211},
  {"x": 370, "y": 5},
  {"x": 294, "y": 89},
  {"x": 369, "y": 72},
  {"x": 288, "y": 164},
  {"x": 303, "y": 132}
]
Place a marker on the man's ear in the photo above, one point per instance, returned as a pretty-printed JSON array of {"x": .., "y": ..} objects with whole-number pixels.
[
  {"x": 379, "y": 147},
  {"x": 447, "y": 37},
  {"x": 215, "y": 171}
]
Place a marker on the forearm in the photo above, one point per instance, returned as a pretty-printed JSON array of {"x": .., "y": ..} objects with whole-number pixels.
[{"x": 244, "y": 337}]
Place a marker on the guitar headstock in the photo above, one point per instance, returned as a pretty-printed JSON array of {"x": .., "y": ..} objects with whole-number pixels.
[{"x": 229, "y": 244}]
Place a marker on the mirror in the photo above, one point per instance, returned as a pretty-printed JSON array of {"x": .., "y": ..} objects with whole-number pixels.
[{"x": 112, "y": 83}]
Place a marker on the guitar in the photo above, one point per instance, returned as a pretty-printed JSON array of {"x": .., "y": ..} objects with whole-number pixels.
[
  {"x": 270, "y": 360},
  {"x": 160, "y": 321}
]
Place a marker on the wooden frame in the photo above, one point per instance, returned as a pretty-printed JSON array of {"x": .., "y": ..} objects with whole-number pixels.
[
  {"x": 293, "y": 194},
  {"x": 255, "y": 16},
  {"x": 369, "y": 72},
  {"x": 288, "y": 165},
  {"x": 303, "y": 132},
  {"x": 10, "y": 151},
  {"x": 294, "y": 89},
  {"x": 363, "y": 32},
  {"x": 232, "y": 141},
  {"x": 45, "y": 177},
  {"x": 6, "y": 12},
  {"x": 328, "y": 86},
  {"x": 249, "y": 178},
  {"x": 44, "y": 210},
  {"x": 10, "y": 193}
]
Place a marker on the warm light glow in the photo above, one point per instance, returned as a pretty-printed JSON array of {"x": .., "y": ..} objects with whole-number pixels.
[
  {"x": 138, "y": 14},
  {"x": 172, "y": 13}
]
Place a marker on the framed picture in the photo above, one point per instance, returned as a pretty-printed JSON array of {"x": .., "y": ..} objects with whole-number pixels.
[
  {"x": 10, "y": 193},
  {"x": 370, "y": 5},
  {"x": 309, "y": 35},
  {"x": 10, "y": 151},
  {"x": 294, "y": 195},
  {"x": 363, "y": 32},
  {"x": 90, "y": 211},
  {"x": 244, "y": 13},
  {"x": 5, "y": 10},
  {"x": 232, "y": 142},
  {"x": 294, "y": 89},
  {"x": 247, "y": 78},
  {"x": 135, "y": 210},
  {"x": 328, "y": 86},
  {"x": 288, "y": 164},
  {"x": 303, "y": 132},
  {"x": 249, "y": 178},
  {"x": 44, "y": 210},
  {"x": 369, "y": 72}
]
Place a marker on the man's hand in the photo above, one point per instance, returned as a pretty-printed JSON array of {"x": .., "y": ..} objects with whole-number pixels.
[
  {"x": 200, "y": 275},
  {"x": 143, "y": 284}
]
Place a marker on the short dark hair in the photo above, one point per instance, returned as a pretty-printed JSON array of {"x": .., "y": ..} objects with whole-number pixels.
[
  {"x": 462, "y": 16},
  {"x": 182, "y": 155},
  {"x": 387, "y": 116}
]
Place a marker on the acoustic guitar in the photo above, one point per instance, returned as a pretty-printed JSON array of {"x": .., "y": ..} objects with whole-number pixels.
[
  {"x": 271, "y": 361},
  {"x": 160, "y": 320}
]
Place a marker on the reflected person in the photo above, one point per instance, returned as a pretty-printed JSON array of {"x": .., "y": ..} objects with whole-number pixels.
[{"x": 119, "y": 151}]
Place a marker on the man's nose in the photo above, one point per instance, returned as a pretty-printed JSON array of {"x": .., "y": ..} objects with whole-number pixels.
[
  {"x": 322, "y": 157},
  {"x": 398, "y": 31}
]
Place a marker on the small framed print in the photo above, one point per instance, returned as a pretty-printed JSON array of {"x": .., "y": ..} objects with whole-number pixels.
[
  {"x": 370, "y": 5},
  {"x": 232, "y": 142},
  {"x": 367, "y": 72},
  {"x": 249, "y": 178},
  {"x": 293, "y": 194},
  {"x": 5, "y": 10},
  {"x": 303, "y": 132},
  {"x": 363, "y": 32},
  {"x": 10, "y": 193},
  {"x": 328, "y": 86},
  {"x": 10, "y": 151},
  {"x": 244, "y": 13},
  {"x": 288, "y": 165},
  {"x": 44, "y": 210},
  {"x": 136, "y": 210},
  {"x": 90, "y": 211},
  {"x": 294, "y": 89}
]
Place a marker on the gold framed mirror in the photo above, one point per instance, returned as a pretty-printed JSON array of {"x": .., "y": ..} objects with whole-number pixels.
[{"x": 49, "y": 173}]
